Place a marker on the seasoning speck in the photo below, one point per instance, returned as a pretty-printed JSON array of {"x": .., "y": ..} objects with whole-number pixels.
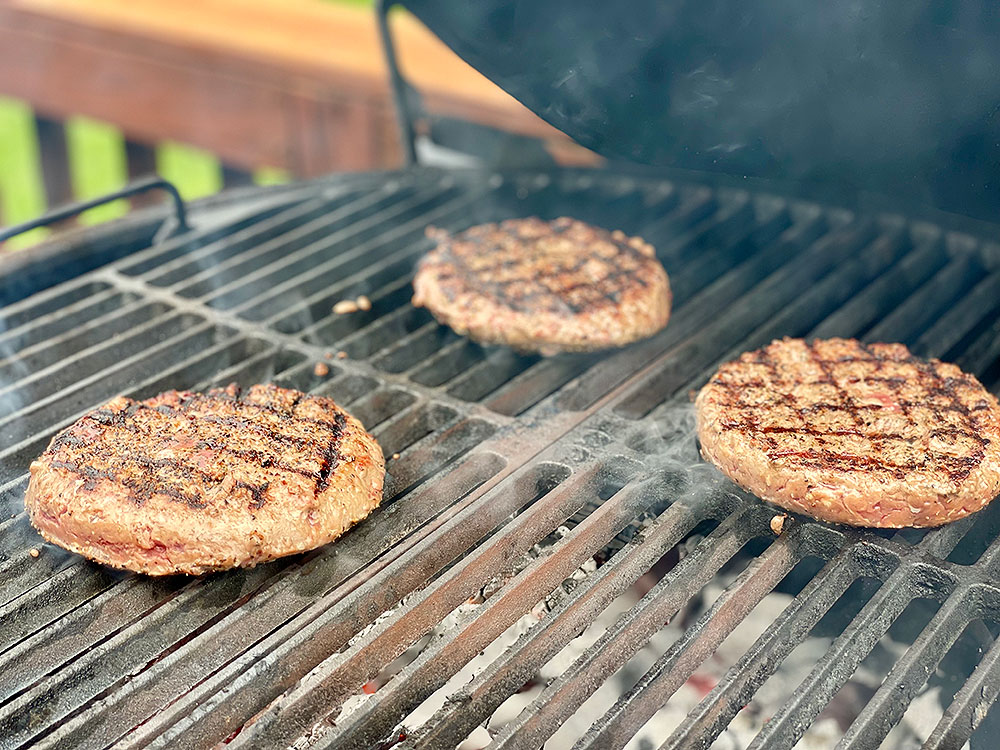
[
  {"x": 345, "y": 306},
  {"x": 328, "y": 355},
  {"x": 341, "y": 355},
  {"x": 34, "y": 552},
  {"x": 363, "y": 303},
  {"x": 778, "y": 523},
  {"x": 321, "y": 370}
]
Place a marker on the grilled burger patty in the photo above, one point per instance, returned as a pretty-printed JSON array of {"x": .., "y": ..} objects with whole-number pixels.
[
  {"x": 544, "y": 286},
  {"x": 866, "y": 435},
  {"x": 189, "y": 482}
]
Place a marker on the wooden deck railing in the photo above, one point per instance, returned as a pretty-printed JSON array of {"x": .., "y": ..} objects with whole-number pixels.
[{"x": 298, "y": 85}]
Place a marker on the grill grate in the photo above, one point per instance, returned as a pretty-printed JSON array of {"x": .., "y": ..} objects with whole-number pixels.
[{"x": 497, "y": 451}]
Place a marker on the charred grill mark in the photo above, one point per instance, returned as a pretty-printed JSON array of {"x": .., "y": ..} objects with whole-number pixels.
[
  {"x": 236, "y": 423},
  {"x": 140, "y": 489},
  {"x": 256, "y": 492},
  {"x": 92, "y": 447},
  {"x": 331, "y": 456},
  {"x": 513, "y": 249},
  {"x": 939, "y": 396},
  {"x": 106, "y": 417},
  {"x": 286, "y": 418}
]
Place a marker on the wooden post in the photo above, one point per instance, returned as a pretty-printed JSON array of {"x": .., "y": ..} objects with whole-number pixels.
[
  {"x": 141, "y": 162},
  {"x": 55, "y": 161}
]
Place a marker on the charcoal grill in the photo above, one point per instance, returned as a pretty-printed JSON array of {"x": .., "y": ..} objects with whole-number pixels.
[{"x": 496, "y": 452}]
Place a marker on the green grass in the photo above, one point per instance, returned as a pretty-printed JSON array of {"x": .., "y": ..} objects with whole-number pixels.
[
  {"x": 21, "y": 193},
  {"x": 101, "y": 171},
  {"x": 97, "y": 166}
]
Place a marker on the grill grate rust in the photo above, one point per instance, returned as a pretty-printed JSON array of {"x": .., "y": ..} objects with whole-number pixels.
[{"x": 496, "y": 451}]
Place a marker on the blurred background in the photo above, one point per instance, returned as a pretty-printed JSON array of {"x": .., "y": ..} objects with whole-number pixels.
[{"x": 215, "y": 94}]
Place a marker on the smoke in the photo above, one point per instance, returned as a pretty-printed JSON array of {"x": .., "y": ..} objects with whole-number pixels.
[{"x": 668, "y": 443}]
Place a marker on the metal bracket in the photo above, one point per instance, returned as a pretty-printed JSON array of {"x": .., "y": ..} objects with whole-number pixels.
[
  {"x": 400, "y": 88},
  {"x": 139, "y": 186}
]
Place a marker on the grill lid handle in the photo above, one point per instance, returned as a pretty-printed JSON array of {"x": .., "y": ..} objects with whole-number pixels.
[{"x": 134, "y": 188}]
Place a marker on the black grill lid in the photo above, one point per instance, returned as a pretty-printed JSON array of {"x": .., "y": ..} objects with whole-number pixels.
[{"x": 893, "y": 97}]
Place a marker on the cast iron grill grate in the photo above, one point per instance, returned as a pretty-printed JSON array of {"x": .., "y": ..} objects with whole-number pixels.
[{"x": 497, "y": 452}]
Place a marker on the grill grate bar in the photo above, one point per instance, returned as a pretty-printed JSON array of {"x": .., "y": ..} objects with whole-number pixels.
[
  {"x": 703, "y": 220},
  {"x": 281, "y": 276},
  {"x": 496, "y": 368},
  {"x": 568, "y": 691},
  {"x": 47, "y": 306},
  {"x": 527, "y": 388},
  {"x": 941, "y": 541},
  {"x": 694, "y": 315},
  {"x": 79, "y": 631},
  {"x": 787, "y": 724},
  {"x": 449, "y": 653},
  {"x": 172, "y": 265},
  {"x": 43, "y": 353},
  {"x": 764, "y": 300},
  {"x": 105, "y": 666},
  {"x": 298, "y": 227},
  {"x": 254, "y": 226},
  {"x": 56, "y": 596},
  {"x": 970, "y": 705},
  {"x": 909, "y": 674},
  {"x": 504, "y": 675},
  {"x": 305, "y": 642},
  {"x": 961, "y": 318},
  {"x": 982, "y": 354},
  {"x": 339, "y": 675},
  {"x": 303, "y": 241},
  {"x": 678, "y": 663},
  {"x": 926, "y": 303},
  {"x": 450, "y": 361},
  {"x": 169, "y": 323},
  {"x": 97, "y": 659},
  {"x": 826, "y": 295},
  {"x": 39, "y": 331},
  {"x": 403, "y": 354},
  {"x": 22, "y": 435},
  {"x": 295, "y": 594},
  {"x": 694, "y": 205},
  {"x": 324, "y": 329},
  {"x": 887, "y": 291},
  {"x": 710, "y": 717},
  {"x": 720, "y": 257},
  {"x": 294, "y": 591}
]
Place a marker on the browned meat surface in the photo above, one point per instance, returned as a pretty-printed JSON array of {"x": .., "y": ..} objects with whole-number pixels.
[
  {"x": 866, "y": 435},
  {"x": 544, "y": 286},
  {"x": 188, "y": 482}
]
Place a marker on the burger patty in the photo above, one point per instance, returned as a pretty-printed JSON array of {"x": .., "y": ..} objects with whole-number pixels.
[
  {"x": 544, "y": 286},
  {"x": 866, "y": 435},
  {"x": 189, "y": 482}
]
